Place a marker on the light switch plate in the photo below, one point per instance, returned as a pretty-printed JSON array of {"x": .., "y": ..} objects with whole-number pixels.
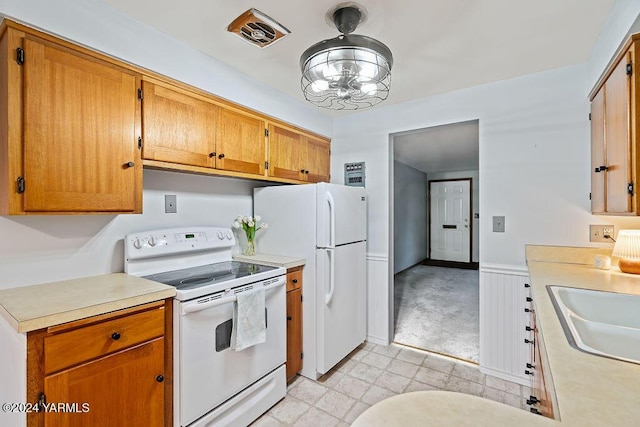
[
  {"x": 498, "y": 224},
  {"x": 170, "y": 203}
]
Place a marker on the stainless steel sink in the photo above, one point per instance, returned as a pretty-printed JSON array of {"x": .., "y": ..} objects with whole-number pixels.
[{"x": 602, "y": 323}]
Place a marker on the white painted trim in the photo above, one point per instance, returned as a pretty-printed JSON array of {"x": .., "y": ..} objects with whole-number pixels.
[
  {"x": 505, "y": 376},
  {"x": 377, "y": 257},
  {"x": 515, "y": 270},
  {"x": 377, "y": 340}
]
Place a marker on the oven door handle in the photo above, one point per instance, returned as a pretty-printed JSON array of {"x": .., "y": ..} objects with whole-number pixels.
[{"x": 194, "y": 307}]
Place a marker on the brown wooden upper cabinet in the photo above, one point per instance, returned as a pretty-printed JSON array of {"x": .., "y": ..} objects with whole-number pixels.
[
  {"x": 69, "y": 130},
  {"x": 240, "y": 142},
  {"x": 614, "y": 138},
  {"x": 297, "y": 156},
  {"x": 178, "y": 126},
  {"x": 181, "y": 126}
]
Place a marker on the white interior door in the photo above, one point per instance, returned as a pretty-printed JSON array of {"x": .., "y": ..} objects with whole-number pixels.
[
  {"x": 450, "y": 213},
  {"x": 341, "y": 297}
]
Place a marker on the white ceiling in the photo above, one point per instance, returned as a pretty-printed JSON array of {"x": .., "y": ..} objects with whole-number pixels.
[
  {"x": 446, "y": 148},
  {"x": 438, "y": 45}
]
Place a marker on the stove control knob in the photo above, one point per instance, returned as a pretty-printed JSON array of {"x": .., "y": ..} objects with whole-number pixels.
[
  {"x": 220, "y": 235},
  {"x": 137, "y": 243},
  {"x": 229, "y": 235},
  {"x": 152, "y": 241}
]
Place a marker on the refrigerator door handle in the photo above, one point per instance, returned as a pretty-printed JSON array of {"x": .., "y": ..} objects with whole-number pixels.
[
  {"x": 332, "y": 278},
  {"x": 332, "y": 219}
]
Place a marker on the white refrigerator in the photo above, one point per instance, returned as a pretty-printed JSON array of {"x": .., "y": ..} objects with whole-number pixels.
[{"x": 327, "y": 225}]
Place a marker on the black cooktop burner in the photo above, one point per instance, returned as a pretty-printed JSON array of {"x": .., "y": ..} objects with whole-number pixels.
[{"x": 194, "y": 277}]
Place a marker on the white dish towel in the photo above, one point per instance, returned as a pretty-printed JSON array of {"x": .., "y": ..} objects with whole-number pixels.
[{"x": 249, "y": 319}]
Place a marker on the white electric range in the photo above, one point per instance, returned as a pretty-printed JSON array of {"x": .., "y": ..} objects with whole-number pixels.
[{"x": 213, "y": 384}]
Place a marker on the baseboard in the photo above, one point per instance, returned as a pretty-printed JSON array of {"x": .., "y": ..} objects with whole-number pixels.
[
  {"x": 506, "y": 376},
  {"x": 451, "y": 264},
  {"x": 410, "y": 267},
  {"x": 377, "y": 340}
]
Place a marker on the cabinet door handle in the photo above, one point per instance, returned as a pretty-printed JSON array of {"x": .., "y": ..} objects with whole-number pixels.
[
  {"x": 301, "y": 170},
  {"x": 306, "y": 172},
  {"x": 128, "y": 165},
  {"x": 527, "y": 341},
  {"x": 529, "y": 299},
  {"x": 289, "y": 318},
  {"x": 528, "y": 372},
  {"x": 533, "y": 400},
  {"x": 530, "y": 366},
  {"x": 212, "y": 154},
  {"x": 221, "y": 156},
  {"x": 159, "y": 378},
  {"x": 115, "y": 336},
  {"x": 294, "y": 281},
  {"x": 528, "y": 328}
]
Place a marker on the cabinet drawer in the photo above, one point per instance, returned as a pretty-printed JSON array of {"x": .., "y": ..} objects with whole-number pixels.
[
  {"x": 294, "y": 279},
  {"x": 89, "y": 342}
]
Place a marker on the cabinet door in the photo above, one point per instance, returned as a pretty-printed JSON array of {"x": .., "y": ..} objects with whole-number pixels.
[
  {"x": 178, "y": 127},
  {"x": 597, "y": 153},
  {"x": 618, "y": 139},
  {"x": 318, "y": 163},
  {"x": 79, "y": 132},
  {"x": 285, "y": 153},
  {"x": 294, "y": 332},
  {"x": 240, "y": 142},
  {"x": 123, "y": 389}
]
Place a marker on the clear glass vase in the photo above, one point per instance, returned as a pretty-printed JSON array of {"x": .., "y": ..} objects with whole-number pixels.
[{"x": 251, "y": 248}]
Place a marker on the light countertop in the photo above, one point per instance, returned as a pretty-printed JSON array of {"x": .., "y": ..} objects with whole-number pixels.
[
  {"x": 35, "y": 307},
  {"x": 271, "y": 260},
  {"x": 591, "y": 390}
]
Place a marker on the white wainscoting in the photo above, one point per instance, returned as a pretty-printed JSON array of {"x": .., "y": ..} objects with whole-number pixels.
[
  {"x": 503, "y": 352},
  {"x": 378, "y": 299}
]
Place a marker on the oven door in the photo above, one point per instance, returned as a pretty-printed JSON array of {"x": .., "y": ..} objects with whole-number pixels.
[{"x": 210, "y": 372}]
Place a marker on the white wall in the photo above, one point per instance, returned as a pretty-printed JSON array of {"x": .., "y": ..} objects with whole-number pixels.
[
  {"x": 48, "y": 248},
  {"x": 38, "y": 249},
  {"x": 534, "y": 155},
  {"x": 410, "y": 216},
  {"x": 475, "y": 204}
]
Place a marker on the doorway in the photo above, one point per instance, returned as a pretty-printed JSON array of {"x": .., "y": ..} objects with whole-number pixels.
[{"x": 435, "y": 186}]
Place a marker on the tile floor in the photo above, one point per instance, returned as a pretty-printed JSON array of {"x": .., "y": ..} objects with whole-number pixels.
[{"x": 372, "y": 373}]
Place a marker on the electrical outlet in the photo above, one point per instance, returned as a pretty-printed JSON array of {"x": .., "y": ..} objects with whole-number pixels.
[
  {"x": 170, "y": 203},
  {"x": 601, "y": 233},
  {"x": 498, "y": 224}
]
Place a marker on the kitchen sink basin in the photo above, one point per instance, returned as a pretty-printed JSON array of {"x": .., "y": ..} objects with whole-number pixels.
[{"x": 603, "y": 323}]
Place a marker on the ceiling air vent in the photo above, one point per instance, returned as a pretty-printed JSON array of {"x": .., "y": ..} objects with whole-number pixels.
[{"x": 257, "y": 28}]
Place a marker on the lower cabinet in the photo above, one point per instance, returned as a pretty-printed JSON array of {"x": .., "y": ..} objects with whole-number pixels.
[
  {"x": 107, "y": 370},
  {"x": 294, "y": 322},
  {"x": 541, "y": 401}
]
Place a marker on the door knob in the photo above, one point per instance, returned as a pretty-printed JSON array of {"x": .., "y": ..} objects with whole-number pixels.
[
  {"x": 221, "y": 156},
  {"x": 159, "y": 378},
  {"x": 212, "y": 154},
  {"x": 128, "y": 165},
  {"x": 115, "y": 336}
]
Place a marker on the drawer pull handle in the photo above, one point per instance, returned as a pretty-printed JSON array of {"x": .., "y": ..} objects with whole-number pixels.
[
  {"x": 115, "y": 336},
  {"x": 289, "y": 318},
  {"x": 159, "y": 378},
  {"x": 294, "y": 281}
]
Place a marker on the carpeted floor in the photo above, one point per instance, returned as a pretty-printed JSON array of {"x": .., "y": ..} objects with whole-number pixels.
[{"x": 436, "y": 309}]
